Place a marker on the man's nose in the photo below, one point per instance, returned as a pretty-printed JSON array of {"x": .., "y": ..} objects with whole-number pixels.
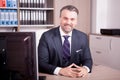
[{"x": 68, "y": 21}]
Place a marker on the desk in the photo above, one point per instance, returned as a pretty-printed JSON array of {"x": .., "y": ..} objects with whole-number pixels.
[{"x": 98, "y": 73}]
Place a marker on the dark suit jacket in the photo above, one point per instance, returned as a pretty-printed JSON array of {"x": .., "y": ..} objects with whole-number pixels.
[{"x": 50, "y": 50}]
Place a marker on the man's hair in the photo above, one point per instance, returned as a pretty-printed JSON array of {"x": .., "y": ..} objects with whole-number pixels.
[{"x": 70, "y": 8}]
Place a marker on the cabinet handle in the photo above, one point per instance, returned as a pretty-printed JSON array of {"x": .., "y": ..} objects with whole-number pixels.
[
  {"x": 98, "y": 38},
  {"x": 98, "y": 52},
  {"x": 110, "y": 43}
]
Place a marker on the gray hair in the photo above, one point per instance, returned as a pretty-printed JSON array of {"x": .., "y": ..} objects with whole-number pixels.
[{"x": 70, "y": 8}]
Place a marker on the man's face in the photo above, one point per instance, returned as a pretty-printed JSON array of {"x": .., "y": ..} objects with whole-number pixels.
[{"x": 68, "y": 20}]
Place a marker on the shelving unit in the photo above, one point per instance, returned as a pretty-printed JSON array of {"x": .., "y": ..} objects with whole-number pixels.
[
  {"x": 8, "y": 14},
  {"x": 31, "y": 13}
]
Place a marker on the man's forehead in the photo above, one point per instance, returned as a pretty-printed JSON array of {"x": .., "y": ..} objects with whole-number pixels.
[{"x": 69, "y": 14}]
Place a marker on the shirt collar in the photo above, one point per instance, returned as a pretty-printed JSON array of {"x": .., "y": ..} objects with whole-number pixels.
[{"x": 62, "y": 33}]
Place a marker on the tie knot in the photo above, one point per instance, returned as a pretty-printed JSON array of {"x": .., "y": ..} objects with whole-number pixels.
[{"x": 66, "y": 37}]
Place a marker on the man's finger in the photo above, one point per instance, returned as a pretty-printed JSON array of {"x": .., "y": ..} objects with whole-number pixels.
[
  {"x": 71, "y": 65},
  {"x": 76, "y": 65}
]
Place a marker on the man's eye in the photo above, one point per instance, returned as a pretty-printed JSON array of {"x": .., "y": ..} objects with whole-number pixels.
[
  {"x": 72, "y": 19},
  {"x": 65, "y": 18}
]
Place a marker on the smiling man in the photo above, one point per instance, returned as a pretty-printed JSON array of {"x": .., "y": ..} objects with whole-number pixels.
[{"x": 64, "y": 50}]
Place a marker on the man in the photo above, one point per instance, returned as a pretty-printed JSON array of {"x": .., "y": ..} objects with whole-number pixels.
[{"x": 51, "y": 57}]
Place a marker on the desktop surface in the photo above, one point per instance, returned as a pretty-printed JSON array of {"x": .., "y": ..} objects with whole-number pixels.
[{"x": 98, "y": 73}]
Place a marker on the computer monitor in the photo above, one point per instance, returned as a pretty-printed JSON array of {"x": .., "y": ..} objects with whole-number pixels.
[{"x": 18, "y": 59}]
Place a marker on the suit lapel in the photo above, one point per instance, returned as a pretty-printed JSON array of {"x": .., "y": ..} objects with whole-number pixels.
[
  {"x": 74, "y": 43},
  {"x": 58, "y": 43}
]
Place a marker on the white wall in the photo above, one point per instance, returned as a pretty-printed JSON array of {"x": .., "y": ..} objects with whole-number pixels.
[
  {"x": 105, "y": 14},
  {"x": 113, "y": 12}
]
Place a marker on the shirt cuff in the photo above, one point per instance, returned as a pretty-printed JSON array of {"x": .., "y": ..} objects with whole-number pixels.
[
  {"x": 87, "y": 68},
  {"x": 56, "y": 71}
]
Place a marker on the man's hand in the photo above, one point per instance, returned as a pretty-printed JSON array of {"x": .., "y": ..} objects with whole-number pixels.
[
  {"x": 68, "y": 71},
  {"x": 77, "y": 71},
  {"x": 82, "y": 71}
]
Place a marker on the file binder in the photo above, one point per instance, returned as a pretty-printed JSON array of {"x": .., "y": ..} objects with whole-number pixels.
[
  {"x": 8, "y": 3},
  {"x": 28, "y": 17},
  {"x": 0, "y": 18},
  {"x": 0, "y": 3},
  {"x": 37, "y": 3},
  {"x": 25, "y": 17},
  {"x": 28, "y": 3},
  {"x": 37, "y": 18},
  {"x": 39, "y": 15},
  {"x": 15, "y": 21},
  {"x": 3, "y": 3},
  {"x": 25, "y": 3},
  {"x": 7, "y": 17},
  {"x": 31, "y": 3},
  {"x": 32, "y": 17},
  {"x": 44, "y": 16},
  {"x": 3, "y": 17},
  {"x": 21, "y": 3},
  {"x": 14, "y": 3},
  {"x": 8, "y": 20},
  {"x": 11, "y": 17},
  {"x": 34, "y": 3},
  {"x": 21, "y": 17}
]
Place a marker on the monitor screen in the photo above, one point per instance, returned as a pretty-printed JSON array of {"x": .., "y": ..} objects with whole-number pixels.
[{"x": 18, "y": 56}]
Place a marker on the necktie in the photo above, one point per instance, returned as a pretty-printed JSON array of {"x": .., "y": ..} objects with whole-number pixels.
[{"x": 66, "y": 48}]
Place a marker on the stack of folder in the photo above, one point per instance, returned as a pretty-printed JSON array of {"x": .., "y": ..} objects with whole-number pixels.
[
  {"x": 33, "y": 17},
  {"x": 33, "y": 3},
  {"x": 8, "y": 3},
  {"x": 8, "y": 17}
]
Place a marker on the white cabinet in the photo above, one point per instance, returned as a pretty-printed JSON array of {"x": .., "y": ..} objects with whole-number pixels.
[
  {"x": 115, "y": 52},
  {"x": 98, "y": 42},
  {"x": 105, "y": 50}
]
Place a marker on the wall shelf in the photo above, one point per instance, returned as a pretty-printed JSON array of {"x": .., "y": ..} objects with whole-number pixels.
[{"x": 37, "y": 13}]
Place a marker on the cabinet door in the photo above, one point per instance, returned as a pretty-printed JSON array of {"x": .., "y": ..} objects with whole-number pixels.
[
  {"x": 100, "y": 47},
  {"x": 100, "y": 57},
  {"x": 115, "y": 53},
  {"x": 100, "y": 42}
]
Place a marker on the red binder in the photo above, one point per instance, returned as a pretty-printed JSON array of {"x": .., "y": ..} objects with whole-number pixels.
[
  {"x": 3, "y": 3},
  {"x": 0, "y": 3}
]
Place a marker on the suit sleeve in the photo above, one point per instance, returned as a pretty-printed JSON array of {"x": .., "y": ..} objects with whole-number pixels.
[
  {"x": 43, "y": 56},
  {"x": 86, "y": 57}
]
